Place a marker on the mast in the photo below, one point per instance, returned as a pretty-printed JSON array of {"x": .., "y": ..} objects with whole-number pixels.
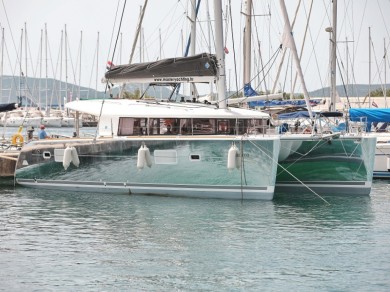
[
  {"x": 209, "y": 41},
  {"x": 46, "y": 89},
  {"x": 40, "y": 69},
  {"x": 333, "y": 58},
  {"x": 369, "y": 67},
  {"x": 221, "y": 81},
  {"x": 193, "y": 42},
  {"x": 60, "y": 86},
  {"x": 81, "y": 46},
  {"x": 384, "y": 61},
  {"x": 2, "y": 63},
  {"x": 291, "y": 44},
  {"x": 97, "y": 63},
  {"x": 25, "y": 59},
  {"x": 20, "y": 68},
  {"x": 247, "y": 42},
  {"x": 66, "y": 67}
]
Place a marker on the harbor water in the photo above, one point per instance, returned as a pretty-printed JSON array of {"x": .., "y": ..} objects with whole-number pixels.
[{"x": 60, "y": 241}]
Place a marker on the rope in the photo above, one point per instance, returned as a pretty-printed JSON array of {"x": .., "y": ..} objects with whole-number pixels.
[
  {"x": 297, "y": 179},
  {"x": 273, "y": 56}
]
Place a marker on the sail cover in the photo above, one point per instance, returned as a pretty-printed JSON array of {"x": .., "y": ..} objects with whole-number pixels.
[
  {"x": 5, "y": 107},
  {"x": 372, "y": 115},
  {"x": 198, "y": 68}
]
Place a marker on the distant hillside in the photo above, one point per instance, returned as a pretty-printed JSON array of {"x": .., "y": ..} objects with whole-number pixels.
[
  {"x": 356, "y": 90},
  {"x": 30, "y": 89}
]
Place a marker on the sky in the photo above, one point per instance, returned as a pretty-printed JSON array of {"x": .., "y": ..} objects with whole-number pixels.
[{"x": 93, "y": 26}]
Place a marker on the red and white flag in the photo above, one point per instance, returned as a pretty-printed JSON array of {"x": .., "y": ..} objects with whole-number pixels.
[{"x": 109, "y": 65}]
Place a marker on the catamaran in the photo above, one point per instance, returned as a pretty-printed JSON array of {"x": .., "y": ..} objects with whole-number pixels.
[{"x": 187, "y": 149}]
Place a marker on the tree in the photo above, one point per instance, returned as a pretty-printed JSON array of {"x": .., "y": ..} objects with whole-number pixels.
[{"x": 379, "y": 92}]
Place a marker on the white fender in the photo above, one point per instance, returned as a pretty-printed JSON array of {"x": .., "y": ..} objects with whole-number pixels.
[
  {"x": 75, "y": 157},
  {"x": 67, "y": 157},
  {"x": 148, "y": 157},
  {"x": 231, "y": 161},
  {"x": 141, "y": 160}
]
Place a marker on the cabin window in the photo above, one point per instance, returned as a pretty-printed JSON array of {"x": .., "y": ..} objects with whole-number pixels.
[
  {"x": 126, "y": 126},
  {"x": 241, "y": 126},
  {"x": 171, "y": 126},
  {"x": 203, "y": 126},
  {"x": 253, "y": 126},
  {"x": 132, "y": 127},
  {"x": 154, "y": 126},
  {"x": 257, "y": 126},
  {"x": 185, "y": 126},
  {"x": 224, "y": 127}
]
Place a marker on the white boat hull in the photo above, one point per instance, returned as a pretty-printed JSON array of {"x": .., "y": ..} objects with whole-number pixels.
[{"x": 179, "y": 166}]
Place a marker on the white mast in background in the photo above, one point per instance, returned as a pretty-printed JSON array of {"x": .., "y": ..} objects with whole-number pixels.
[{"x": 221, "y": 81}]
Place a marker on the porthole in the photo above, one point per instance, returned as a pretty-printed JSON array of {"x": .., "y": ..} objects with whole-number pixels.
[
  {"x": 46, "y": 155},
  {"x": 194, "y": 157}
]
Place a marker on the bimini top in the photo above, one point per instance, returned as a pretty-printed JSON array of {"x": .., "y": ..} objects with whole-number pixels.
[
  {"x": 156, "y": 109},
  {"x": 198, "y": 68}
]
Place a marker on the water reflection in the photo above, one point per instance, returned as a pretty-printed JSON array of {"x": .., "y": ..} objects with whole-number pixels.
[
  {"x": 310, "y": 210},
  {"x": 103, "y": 241}
]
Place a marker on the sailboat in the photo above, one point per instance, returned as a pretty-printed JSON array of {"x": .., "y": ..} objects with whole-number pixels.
[
  {"x": 326, "y": 162},
  {"x": 186, "y": 149}
]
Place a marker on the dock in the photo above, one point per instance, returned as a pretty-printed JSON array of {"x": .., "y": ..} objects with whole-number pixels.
[{"x": 8, "y": 163}]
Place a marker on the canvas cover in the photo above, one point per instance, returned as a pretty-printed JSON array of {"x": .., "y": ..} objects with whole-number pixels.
[
  {"x": 5, "y": 107},
  {"x": 376, "y": 115},
  {"x": 198, "y": 68}
]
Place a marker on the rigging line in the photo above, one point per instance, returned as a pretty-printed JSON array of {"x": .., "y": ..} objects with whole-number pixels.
[
  {"x": 313, "y": 51},
  {"x": 360, "y": 29},
  {"x": 342, "y": 80},
  {"x": 242, "y": 158},
  {"x": 259, "y": 48},
  {"x": 10, "y": 30},
  {"x": 13, "y": 71},
  {"x": 270, "y": 67},
  {"x": 107, "y": 85},
  {"x": 273, "y": 56},
  {"x": 323, "y": 140},
  {"x": 116, "y": 41},
  {"x": 383, "y": 19},
  {"x": 297, "y": 179},
  {"x": 377, "y": 68},
  {"x": 273, "y": 59},
  {"x": 113, "y": 29}
]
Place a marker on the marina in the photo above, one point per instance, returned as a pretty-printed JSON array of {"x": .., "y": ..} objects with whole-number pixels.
[{"x": 194, "y": 146}]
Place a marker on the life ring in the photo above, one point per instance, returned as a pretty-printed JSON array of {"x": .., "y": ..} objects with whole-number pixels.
[{"x": 17, "y": 139}]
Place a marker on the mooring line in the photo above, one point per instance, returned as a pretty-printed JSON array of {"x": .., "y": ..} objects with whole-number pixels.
[{"x": 301, "y": 182}]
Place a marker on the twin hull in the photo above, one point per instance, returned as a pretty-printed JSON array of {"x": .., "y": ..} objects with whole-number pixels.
[{"x": 327, "y": 165}]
